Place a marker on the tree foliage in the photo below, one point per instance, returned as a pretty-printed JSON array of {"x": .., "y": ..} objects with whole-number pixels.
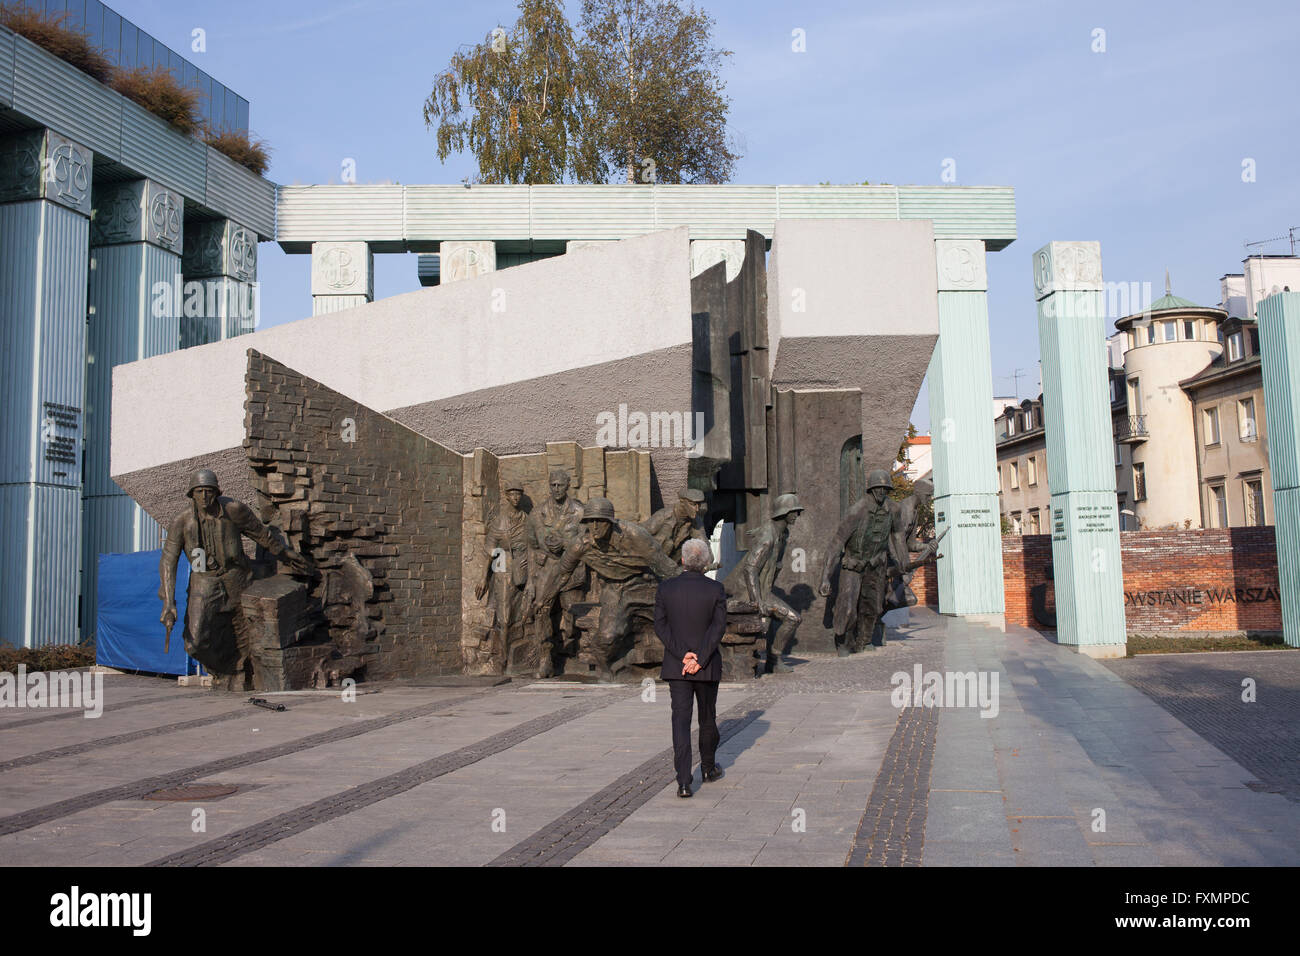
[
  {"x": 637, "y": 96},
  {"x": 515, "y": 102}
]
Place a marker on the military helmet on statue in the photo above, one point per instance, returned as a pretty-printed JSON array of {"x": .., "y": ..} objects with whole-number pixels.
[
  {"x": 598, "y": 509},
  {"x": 879, "y": 479},
  {"x": 784, "y": 504},
  {"x": 203, "y": 478}
]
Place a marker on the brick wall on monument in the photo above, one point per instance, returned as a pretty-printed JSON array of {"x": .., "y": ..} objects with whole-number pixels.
[
  {"x": 341, "y": 479},
  {"x": 1224, "y": 579}
]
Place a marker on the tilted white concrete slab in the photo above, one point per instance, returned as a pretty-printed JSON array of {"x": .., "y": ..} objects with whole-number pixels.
[{"x": 507, "y": 360}]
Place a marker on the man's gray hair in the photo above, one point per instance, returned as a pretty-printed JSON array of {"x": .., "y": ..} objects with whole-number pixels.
[{"x": 696, "y": 554}]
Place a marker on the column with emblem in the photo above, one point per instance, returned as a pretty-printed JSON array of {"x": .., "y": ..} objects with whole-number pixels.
[
  {"x": 342, "y": 276},
  {"x": 45, "y": 206},
  {"x": 136, "y": 298},
  {"x": 220, "y": 269},
  {"x": 961, "y": 427},
  {"x": 1087, "y": 575}
]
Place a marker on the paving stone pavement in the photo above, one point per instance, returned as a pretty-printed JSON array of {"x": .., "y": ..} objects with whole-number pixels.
[
  {"x": 829, "y": 765},
  {"x": 1205, "y": 691}
]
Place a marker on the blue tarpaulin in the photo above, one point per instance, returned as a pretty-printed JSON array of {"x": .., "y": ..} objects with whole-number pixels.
[{"x": 128, "y": 634}]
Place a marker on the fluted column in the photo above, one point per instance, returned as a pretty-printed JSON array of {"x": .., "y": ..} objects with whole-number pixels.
[
  {"x": 135, "y": 302},
  {"x": 1279, "y": 349},
  {"x": 964, "y": 459},
  {"x": 44, "y": 253},
  {"x": 219, "y": 264},
  {"x": 1088, "y": 576}
]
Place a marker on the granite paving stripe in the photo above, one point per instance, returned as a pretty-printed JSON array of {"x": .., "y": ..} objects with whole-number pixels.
[
  {"x": 79, "y": 712},
  {"x": 295, "y": 821},
  {"x": 138, "y": 788},
  {"x": 72, "y": 749},
  {"x": 892, "y": 829},
  {"x": 568, "y": 835}
]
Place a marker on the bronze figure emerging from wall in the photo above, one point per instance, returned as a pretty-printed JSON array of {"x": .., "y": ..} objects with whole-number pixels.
[
  {"x": 552, "y": 527},
  {"x": 209, "y": 533},
  {"x": 751, "y": 580},
  {"x": 628, "y": 564}
]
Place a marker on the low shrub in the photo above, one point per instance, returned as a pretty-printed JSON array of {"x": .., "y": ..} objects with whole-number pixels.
[
  {"x": 252, "y": 154},
  {"x": 53, "y": 657},
  {"x": 50, "y": 31},
  {"x": 158, "y": 91}
]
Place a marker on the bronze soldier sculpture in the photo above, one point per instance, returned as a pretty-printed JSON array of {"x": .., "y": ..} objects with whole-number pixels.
[
  {"x": 862, "y": 545},
  {"x": 751, "y": 580},
  {"x": 209, "y": 533},
  {"x": 506, "y": 573},
  {"x": 906, "y": 521},
  {"x": 672, "y": 526},
  {"x": 551, "y": 528},
  {"x": 628, "y": 563}
]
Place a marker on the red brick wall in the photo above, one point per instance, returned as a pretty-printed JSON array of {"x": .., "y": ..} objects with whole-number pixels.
[
  {"x": 925, "y": 585},
  {"x": 1215, "y": 580}
]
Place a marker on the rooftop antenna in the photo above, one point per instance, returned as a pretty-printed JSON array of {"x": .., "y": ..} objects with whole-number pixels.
[{"x": 1015, "y": 377}]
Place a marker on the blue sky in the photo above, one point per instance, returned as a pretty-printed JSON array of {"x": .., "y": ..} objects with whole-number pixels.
[{"x": 1139, "y": 147}]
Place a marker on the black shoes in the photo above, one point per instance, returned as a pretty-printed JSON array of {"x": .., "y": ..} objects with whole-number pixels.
[
  {"x": 684, "y": 790},
  {"x": 714, "y": 774}
]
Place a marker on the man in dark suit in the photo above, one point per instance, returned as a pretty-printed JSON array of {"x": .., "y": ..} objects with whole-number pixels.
[{"x": 690, "y": 617}]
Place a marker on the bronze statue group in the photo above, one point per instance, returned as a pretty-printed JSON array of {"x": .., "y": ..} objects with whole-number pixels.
[{"x": 542, "y": 565}]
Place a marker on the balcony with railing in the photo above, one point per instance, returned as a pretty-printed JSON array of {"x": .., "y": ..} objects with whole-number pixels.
[{"x": 1131, "y": 429}]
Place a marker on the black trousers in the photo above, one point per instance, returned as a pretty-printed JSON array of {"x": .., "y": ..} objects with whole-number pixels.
[{"x": 705, "y": 695}]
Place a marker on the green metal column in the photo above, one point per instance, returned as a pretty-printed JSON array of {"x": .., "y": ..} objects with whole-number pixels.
[
  {"x": 961, "y": 424},
  {"x": 1279, "y": 346},
  {"x": 1087, "y": 571}
]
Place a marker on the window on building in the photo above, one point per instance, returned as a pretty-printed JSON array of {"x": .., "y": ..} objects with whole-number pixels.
[
  {"x": 1139, "y": 481},
  {"x": 1218, "y": 507},
  {"x": 1211, "y": 416},
  {"x": 1254, "y": 341},
  {"x": 1171, "y": 331},
  {"x": 1015, "y": 475},
  {"x": 1234, "y": 346},
  {"x": 1118, "y": 459},
  {"x": 1033, "y": 522},
  {"x": 1011, "y": 425},
  {"x": 1218, "y": 334},
  {"x": 1121, "y": 506},
  {"x": 999, "y": 478},
  {"x": 1189, "y": 329},
  {"x": 1031, "y": 468},
  {"x": 1130, "y": 338},
  {"x": 1016, "y": 526},
  {"x": 1151, "y": 334},
  {"x": 1114, "y": 390},
  {"x": 1246, "y": 419},
  {"x": 1134, "y": 396},
  {"x": 1253, "y": 492}
]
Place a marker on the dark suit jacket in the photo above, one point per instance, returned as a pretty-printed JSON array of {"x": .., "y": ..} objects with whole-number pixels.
[{"x": 691, "y": 615}]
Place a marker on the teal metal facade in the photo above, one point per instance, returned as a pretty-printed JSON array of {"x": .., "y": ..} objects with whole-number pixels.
[{"x": 1279, "y": 346}]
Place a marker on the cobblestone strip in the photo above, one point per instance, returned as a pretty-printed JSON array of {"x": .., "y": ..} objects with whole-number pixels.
[
  {"x": 295, "y": 821},
  {"x": 568, "y": 835},
  {"x": 72, "y": 749},
  {"x": 892, "y": 830},
  {"x": 138, "y": 788},
  {"x": 11, "y": 724}
]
